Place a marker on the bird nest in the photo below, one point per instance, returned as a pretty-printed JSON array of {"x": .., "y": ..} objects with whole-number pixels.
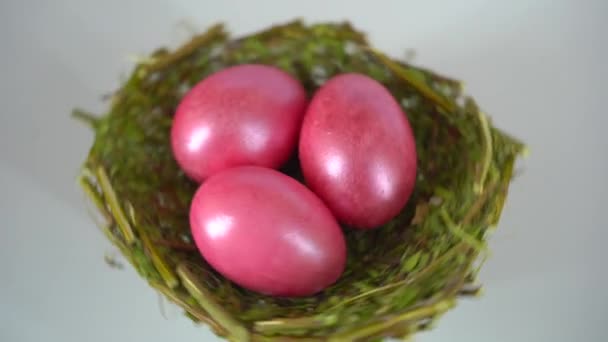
[{"x": 399, "y": 278}]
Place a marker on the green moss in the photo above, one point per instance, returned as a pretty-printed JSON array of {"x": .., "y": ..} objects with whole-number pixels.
[{"x": 397, "y": 277}]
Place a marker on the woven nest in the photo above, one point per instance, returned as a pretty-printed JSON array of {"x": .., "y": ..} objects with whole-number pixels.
[{"x": 399, "y": 278}]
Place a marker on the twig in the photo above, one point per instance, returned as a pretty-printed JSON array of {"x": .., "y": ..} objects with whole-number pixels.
[
  {"x": 410, "y": 77},
  {"x": 457, "y": 230},
  {"x": 86, "y": 117},
  {"x": 487, "y": 151},
  {"x": 159, "y": 262},
  {"x": 409, "y": 280},
  {"x": 112, "y": 200},
  {"x": 194, "y": 311},
  {"x": 411, "y": 316},
  {"x": 236, "y": 331},
  {"x": 215, "y": 31}
]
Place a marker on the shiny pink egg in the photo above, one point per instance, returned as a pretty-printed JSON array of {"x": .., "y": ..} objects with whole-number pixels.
[
  {"x": 357, "y": 151},
  {"x": 267, "y": 232},
  {"x": 243, "y": 115}
]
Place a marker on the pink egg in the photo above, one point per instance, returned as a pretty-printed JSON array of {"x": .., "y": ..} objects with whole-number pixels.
[
  {"x": 243, "y": 115},
  {"x": 267, "y": 232},
  {"x": 357, "y": 151}
]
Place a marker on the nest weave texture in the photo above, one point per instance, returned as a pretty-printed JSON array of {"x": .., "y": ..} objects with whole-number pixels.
[{"x": 399, "y": 278}]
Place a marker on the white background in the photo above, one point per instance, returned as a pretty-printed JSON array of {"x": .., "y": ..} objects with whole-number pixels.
[{"x": 538, "y": 67}]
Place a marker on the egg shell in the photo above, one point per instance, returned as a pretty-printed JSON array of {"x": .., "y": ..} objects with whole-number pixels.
[
  {"x": 267, "y": 232},
  {"x": 243, "y": 115},
  {"x": 358, "y": 151}
]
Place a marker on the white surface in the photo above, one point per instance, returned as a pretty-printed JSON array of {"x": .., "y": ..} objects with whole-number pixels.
[{"x": 538, "y": 67}]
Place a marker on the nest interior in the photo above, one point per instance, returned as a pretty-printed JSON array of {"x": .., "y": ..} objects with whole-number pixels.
[{"x": 399, "y": 278}]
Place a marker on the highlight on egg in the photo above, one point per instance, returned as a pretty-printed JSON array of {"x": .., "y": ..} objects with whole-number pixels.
[
  {"x": 357, "y": 151},
  {"x": 243, "y": 115},
  {"x": 267, "y": 232}
]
